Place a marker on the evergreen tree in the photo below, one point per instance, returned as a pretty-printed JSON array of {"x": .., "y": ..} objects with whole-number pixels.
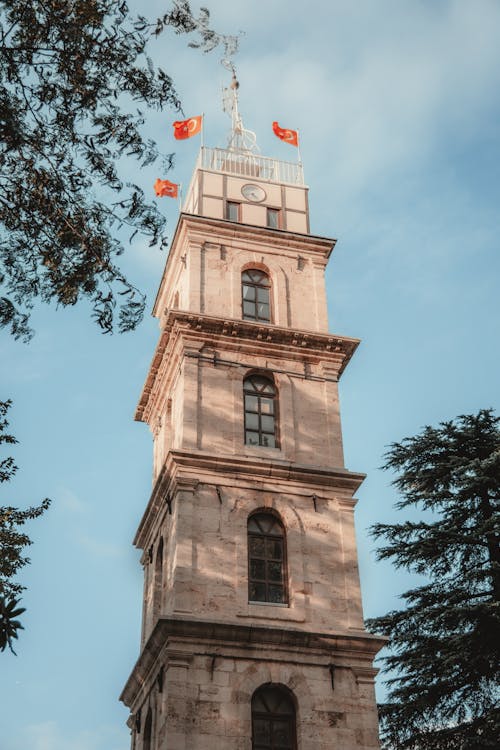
[
  {"x": 12, "y": 543},
  {"x": 444, "y": 659},
  {"x": 72, "y": 76}
]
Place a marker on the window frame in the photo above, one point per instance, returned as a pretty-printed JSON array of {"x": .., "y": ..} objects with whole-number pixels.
[
  {"x": 259, "y": 395},
  {"x": 273, "y": 716},
  {"x": 275, "y": 212},
  {"x": 267, "y": 581},
  {"x": 229, "y": 205},
  {"x": 256, "y": 285}
]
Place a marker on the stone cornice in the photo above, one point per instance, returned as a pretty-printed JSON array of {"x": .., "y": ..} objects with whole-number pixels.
[
  {"x": 184, "y": 469},
  {"x": 276, "y": 341},
  {"x": 357, "y": 649},
  {"x": 203, "y": 229}
]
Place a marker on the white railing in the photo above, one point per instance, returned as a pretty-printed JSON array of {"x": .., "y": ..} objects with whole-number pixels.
[{"x": 250, "y": 165}]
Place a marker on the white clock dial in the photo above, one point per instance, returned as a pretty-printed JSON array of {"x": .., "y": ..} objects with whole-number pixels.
[{"x": 253, "y": 193}]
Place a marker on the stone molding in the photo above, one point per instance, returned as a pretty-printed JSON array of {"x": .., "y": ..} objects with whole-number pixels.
[
  {"x": 184, "y": 470},
  {"x": 245, "y": 337},
  {"x": 186, "y": 637}
]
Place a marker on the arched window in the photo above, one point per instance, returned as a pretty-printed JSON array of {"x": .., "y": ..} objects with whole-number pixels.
[
  {"x": 260, "y": 411},
  {"x": 273, "y": 719},
  {"x": 148, "y": 726},
  {"x": 255, "y": 293},
  {"x": 266, "y": 559},
  {"x": 158, "y": 580}
]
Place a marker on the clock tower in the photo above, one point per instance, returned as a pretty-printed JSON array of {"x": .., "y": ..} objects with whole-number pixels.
[{"x": 253, "y": 635}]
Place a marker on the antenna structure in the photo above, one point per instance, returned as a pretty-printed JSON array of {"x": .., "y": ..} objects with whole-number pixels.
[{"x": 240, "y": 139}]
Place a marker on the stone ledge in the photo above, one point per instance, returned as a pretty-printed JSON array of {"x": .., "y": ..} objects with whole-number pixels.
[
  {"x": 239, "y": 469},
  {"x": 289, "y": 644},
  {"x": 210, "y": 329}
]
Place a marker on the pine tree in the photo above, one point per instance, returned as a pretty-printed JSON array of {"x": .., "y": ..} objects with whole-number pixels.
[
  {"x": 444, "y": 647},
  {"x": 73, "y": 75}
]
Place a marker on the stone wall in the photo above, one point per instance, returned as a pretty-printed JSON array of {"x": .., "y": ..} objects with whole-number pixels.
[
  {"x": 205, "y": 558},
  {"x": 204, "y": 702}
]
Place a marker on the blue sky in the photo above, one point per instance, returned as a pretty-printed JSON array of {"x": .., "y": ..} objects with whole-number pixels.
[{"x": 398, "y": 107}]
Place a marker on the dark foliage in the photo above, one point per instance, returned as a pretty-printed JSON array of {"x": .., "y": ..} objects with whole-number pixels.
[
  {"x": 444, "y": 663},
  {"x": 12, "y": 543},
  {"x": 9, "y": 625},
  {"x": 72, "y": 76}
]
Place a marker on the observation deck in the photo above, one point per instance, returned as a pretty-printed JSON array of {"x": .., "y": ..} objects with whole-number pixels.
[{"x": 248, "y": 165}]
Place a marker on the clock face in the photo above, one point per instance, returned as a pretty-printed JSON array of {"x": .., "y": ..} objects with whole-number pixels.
[{"x": 253, "y": 193}]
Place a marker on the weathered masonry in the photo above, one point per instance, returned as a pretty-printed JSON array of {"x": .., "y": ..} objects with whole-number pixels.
[{"x": 253, "y": 635}]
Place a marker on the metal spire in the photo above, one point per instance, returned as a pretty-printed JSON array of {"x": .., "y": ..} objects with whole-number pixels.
[{"x": 240, "y": 139}]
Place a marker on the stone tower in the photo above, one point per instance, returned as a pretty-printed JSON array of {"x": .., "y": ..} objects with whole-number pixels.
[{"x": 252, "y": 635}]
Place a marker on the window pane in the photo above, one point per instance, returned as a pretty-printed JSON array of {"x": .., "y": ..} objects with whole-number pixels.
[
  {"x": 267, "y": 387},
  {"x": 258, "y": 705},
  {"x": 249, "y": 292},
  {"x": 257, "y": 592},
  {"x": 259, "y": 409},
  {"x": 277, "y": 528},
  {"x": 266, "y": 573},
  {"x": 258, "y": 277},
  {"x": 232, "y": 211},
  {"x": 272, "y": 218},
  {"x": 262, "y": 731},
  {"x": 263, "y": 311},
  {"x": 267, "y": 405},
  {"x": 251, "y": 438},
  {"x": 258, "y": 570},
  {"x": 273, "y": 700},
  {"x": 260, "y": 384},
  {"x": 262, "y": 295},
  {"x": 273, "y": 571},
  {"x": 285, "y": 706},
  {"x": 252, "y": 421},
  {"x": 249, "y": 309},
  {"x": 274, "y": 549},
  {"x": 281, "y": 734},
  {"x": 251, "y": 403},
  {"x": 267, "y": 424},
  {"x": 266, "y": 522},
  {"x": 257, "y": 546},
  {"x": 275, "y": 594},
  {"x": 268, "y": 441}
]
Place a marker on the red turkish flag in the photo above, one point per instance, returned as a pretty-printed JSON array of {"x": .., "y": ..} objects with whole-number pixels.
[
  {"x": 289, "y": 136},
  {"x": 187, "y": 128},
  {"x": 166, "y": 189}
]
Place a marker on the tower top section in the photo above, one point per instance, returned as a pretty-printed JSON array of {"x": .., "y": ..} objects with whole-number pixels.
[
  {"x": 242, "y": 154},
  {"x": 238, "y": 184}
]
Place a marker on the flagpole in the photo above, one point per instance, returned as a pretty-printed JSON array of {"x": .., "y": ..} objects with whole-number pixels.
[
  {"x": 180, "y": 197},
  {"x": 202, "y": 129},
  {"x": 298, "y": 147}
]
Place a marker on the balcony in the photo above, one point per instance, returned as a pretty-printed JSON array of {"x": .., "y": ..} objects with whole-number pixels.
[{"x": 250, "y": 165}]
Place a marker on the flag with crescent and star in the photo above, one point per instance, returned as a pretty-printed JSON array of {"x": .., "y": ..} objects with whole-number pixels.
[
  {"x": 289, "y": 136},
  {"x": 187, "y": 128},
  {"x": 166, "y": 189}
]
